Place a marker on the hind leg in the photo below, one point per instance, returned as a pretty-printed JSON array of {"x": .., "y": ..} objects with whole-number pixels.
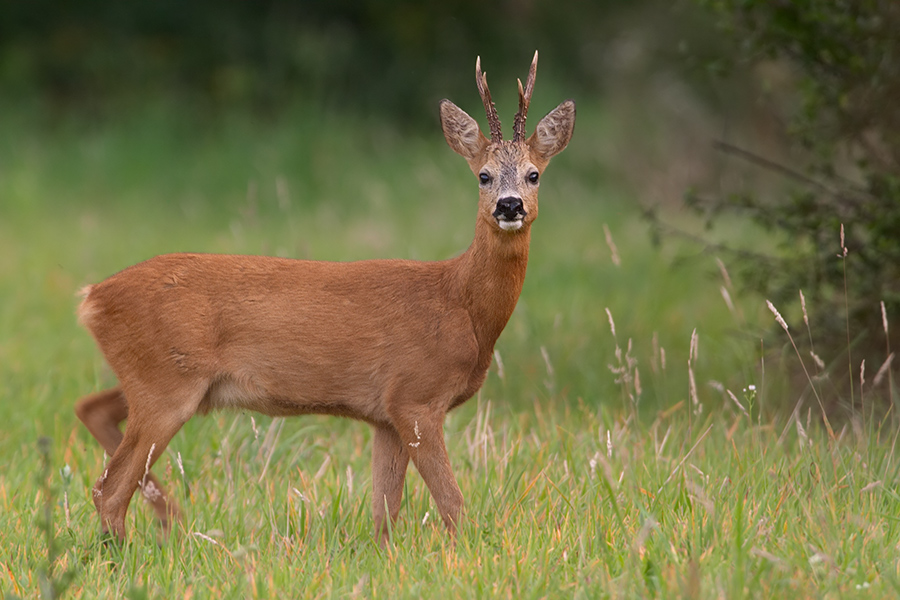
[
  {"x": 102, "y": 413},
  {"x": 154, "y": 417}
]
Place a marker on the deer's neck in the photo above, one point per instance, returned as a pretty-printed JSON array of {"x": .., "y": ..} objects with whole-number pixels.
[{"x": 490, "y": 276}]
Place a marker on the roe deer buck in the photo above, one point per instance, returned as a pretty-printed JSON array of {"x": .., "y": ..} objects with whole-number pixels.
[{"x": 394, "y": 343}]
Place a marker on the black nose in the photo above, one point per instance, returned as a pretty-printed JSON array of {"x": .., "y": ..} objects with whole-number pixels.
[{"x": 509, "y": 208}]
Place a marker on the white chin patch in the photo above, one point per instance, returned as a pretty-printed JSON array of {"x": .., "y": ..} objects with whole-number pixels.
[{"x": 510, "y": 225}]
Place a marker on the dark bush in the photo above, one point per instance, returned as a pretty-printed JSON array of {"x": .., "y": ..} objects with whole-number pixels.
[{"x": 844, "y": 113}]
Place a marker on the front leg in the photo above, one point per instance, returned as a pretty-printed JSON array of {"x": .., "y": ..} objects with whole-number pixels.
[
  {"x": 425, "y": 444},
  {"x": 389, "y": 461}
]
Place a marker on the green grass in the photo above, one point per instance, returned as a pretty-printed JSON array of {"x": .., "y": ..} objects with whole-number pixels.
[{"x": 573, "y": 490}]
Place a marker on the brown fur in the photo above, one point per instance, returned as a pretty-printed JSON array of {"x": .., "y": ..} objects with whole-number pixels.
[{"x": 394, "y": 343}]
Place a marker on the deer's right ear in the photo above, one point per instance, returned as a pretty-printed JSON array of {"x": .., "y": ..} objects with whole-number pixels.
[{"x": 462, "y": 132}]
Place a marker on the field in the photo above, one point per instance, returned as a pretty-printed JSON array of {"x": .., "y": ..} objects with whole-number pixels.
[{"x": 591, "y": 466}]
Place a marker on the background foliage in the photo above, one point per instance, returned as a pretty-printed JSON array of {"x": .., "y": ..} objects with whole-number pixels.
[
  {"x": 839, "y": 101},
  {"x": 392, "y": 58}
]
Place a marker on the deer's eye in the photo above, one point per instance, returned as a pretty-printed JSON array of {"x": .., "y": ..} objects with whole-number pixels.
[
  {"x": 533, "y": 177},
  {"x": 484, "y": 178}
]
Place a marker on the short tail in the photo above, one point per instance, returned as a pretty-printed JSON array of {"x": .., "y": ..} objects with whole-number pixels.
[{"x": 85, "y": 310}]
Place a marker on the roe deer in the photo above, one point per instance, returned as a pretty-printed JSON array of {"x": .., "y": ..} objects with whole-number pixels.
[{"x": 394, "y": 343}]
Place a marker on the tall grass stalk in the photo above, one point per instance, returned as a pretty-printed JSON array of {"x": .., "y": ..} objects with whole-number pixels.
[
  {"x": 780, "y": 320},
  {"x": 886, "y": 366},
  {"x": 843, "y": 257}
]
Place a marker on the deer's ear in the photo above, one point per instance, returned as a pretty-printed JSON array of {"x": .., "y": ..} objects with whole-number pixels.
[
  {"x": 461, "y": 131},
  {"x": 554, "y": 131}
]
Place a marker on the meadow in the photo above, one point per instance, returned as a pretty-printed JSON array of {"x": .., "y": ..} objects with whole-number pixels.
[{"x": 603, "y": 458}]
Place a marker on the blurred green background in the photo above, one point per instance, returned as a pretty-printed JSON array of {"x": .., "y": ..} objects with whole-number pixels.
[{"x": 390, "y": 59}]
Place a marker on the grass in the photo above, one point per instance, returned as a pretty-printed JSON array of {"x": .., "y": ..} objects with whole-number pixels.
[{"x": 577, "y": 484}]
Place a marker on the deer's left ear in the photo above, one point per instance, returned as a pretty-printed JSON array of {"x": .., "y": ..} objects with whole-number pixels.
[{"x": 554, "y": 131}]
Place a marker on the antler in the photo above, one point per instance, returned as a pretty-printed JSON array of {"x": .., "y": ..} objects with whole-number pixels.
[
  {"x": 489, "y": 108},
  {"x": 524, "y": 101}
]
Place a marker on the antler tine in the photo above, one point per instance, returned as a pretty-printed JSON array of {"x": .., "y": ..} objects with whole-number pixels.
[
  {"x": 489, "y": 108},
  {"x": 524, "y": 101}
]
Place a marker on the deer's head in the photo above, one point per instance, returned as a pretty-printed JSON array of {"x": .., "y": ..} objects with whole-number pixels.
[{"x": 508, "y": 172}]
